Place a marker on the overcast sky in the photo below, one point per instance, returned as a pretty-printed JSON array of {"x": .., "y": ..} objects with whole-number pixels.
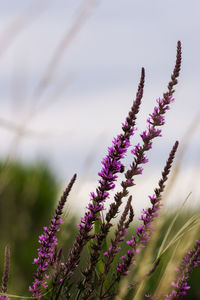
[{"x": 94, "y": 51}]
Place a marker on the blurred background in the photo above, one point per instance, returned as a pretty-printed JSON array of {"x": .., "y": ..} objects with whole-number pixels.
[{"x": 69, "y": 72}]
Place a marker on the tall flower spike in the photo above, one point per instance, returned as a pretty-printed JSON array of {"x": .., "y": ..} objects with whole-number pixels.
[
  {"x": 156, "y": 119},
  {"x": 108, "y": 175},
  {"x": 48, "y": 242},
  {"x": 129, "y": 123},
  {"x": 147, "y": 218},
  {"x": 148, "y": 215},
  {"x": 5, "y": 277},
  {"x": 175, "y": 73},
  {"x": 190, "y": 261}
]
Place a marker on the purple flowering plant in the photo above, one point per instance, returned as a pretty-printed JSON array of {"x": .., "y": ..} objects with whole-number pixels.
[{"x": 53, "y": 278}]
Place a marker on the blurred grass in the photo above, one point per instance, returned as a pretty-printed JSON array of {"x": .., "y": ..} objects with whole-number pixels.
[{"x": 159, "y": 283}]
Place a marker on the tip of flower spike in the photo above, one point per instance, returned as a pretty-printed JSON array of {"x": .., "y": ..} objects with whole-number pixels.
[
  {"x": 176, "y": 143},
  {"x": 74, "y": 177},
  {"x": 141, "y": 85}
]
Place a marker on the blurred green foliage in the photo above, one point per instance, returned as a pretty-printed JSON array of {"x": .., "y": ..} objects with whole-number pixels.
[{"x": 27, "y": 200}]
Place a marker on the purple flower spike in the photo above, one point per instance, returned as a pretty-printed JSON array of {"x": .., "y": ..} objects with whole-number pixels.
[
  {"x": 190, "y": 261},
  {"x": 144, "y": 230},
  {"x": 139, "y": 151},
  {"x": 108, "y": 175},
  {"x": 155, "y": 119},
  {"x": 48, "y": 241}
]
